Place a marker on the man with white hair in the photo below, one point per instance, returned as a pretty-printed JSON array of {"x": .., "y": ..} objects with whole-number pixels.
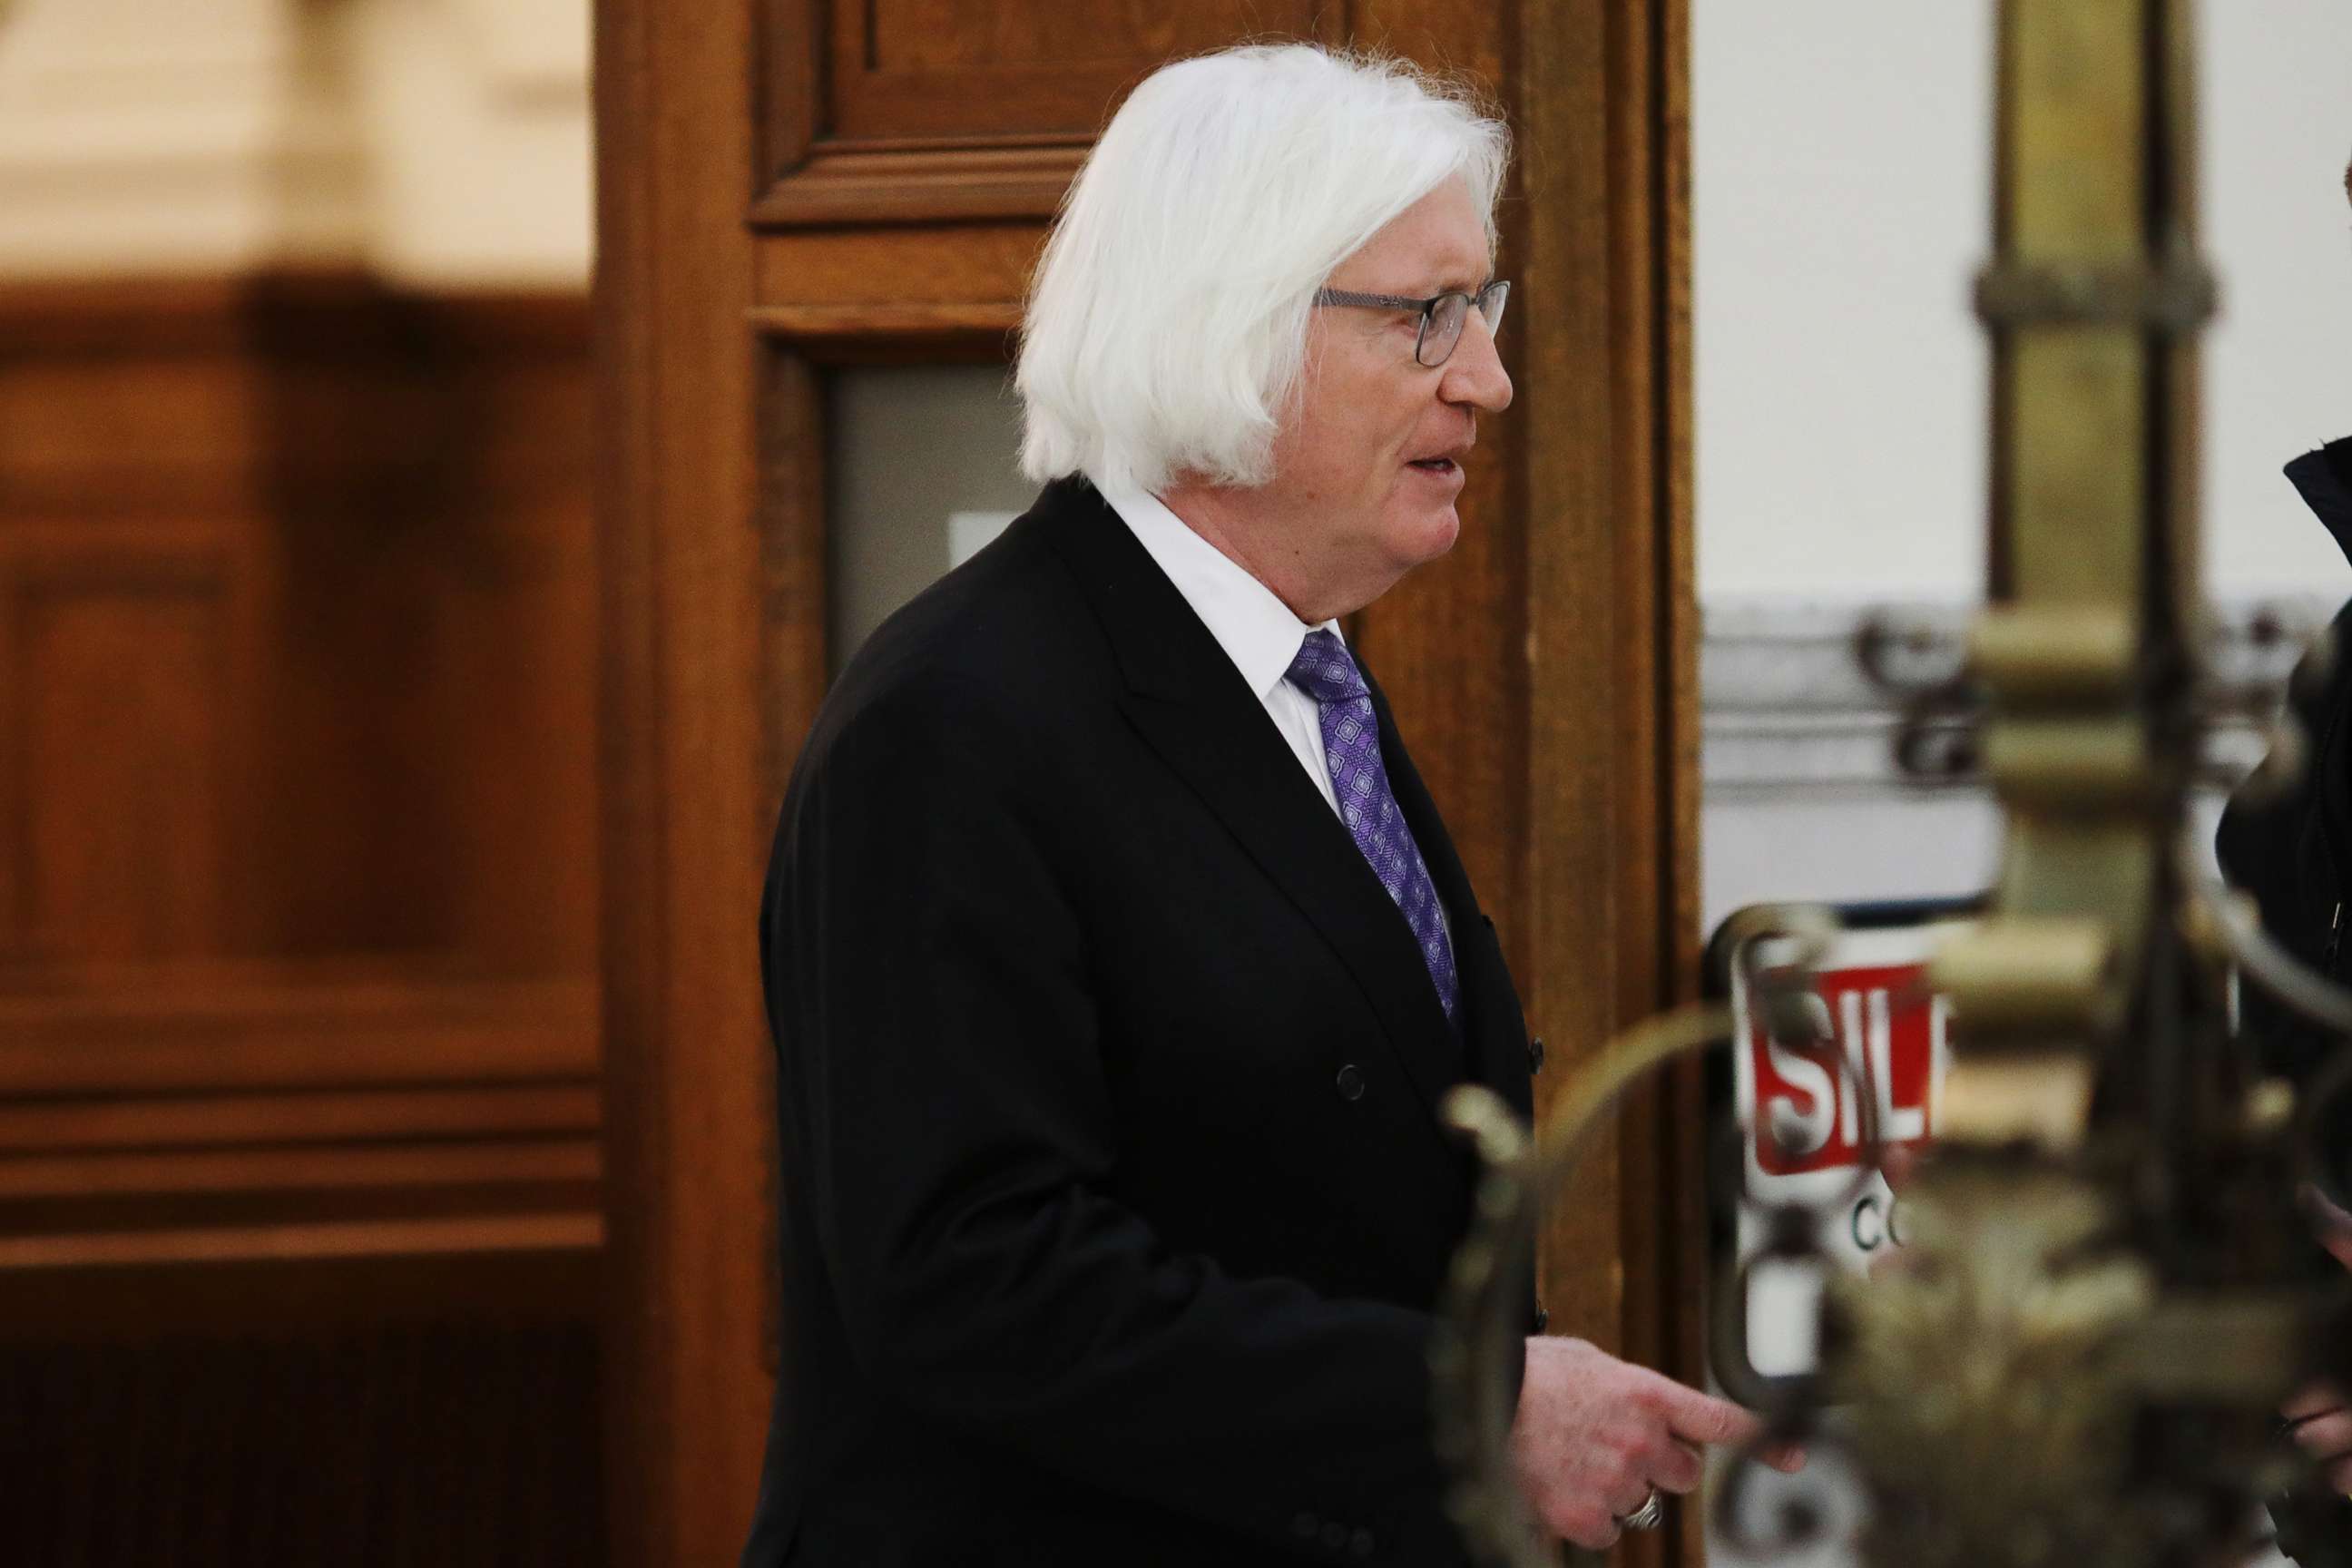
[{"x": 1116, "y": 957}]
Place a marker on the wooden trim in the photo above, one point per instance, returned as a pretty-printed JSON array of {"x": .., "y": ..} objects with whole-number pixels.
[
  {"x": 465, "y": 1236},
  {"x": 834, "y": 332},
  {"x": 849, "y": 185},
  {"x": 225, "y": 1035},
  {"x": 17, "y": 904},
  {"x": 794, "y": 629},
  {"x": 338, "y": 1115},
  {"x": 791, "y": 72},
  {"x": 172, "y": 1101},
  {"x": 964, "y": 266},
  {"x": 112, "y": 1172},
  {"x": 299, "y": 313},
  {"x": 307, "y": 1279},
  {"x": 683, "y": 833},
  {"x": 795, "y": 647},
  {"x": 1600, "y": 98},
  {"x": 1565, "y": 365},
  {"x": 1684, "y": 1269}
]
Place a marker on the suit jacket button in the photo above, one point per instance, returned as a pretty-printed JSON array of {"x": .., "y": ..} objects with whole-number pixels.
[
  {"x": 1359, "y": 1544},
  {"x": 1335, "y": 1536},
  {"x": 1350, "y": 1082},
  {"x": 1535, "y": 1055},
  {"x": 1305, "y": 1526}
]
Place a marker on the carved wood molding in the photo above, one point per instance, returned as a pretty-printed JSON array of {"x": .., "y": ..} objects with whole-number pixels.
[
  {"x": 872, "y": 119},
  {"x": 207, "y": 1114},
  {"x": 383, "y": 1239},
  {"x": 315, "y": 312},
  {"x": 225, "y": 502},
  {"x": 866, "y": 185},
  {"x": 246, "y": 1028},
  {"x": 388, "y": 486},
  {"x": 981, "y": 331}
]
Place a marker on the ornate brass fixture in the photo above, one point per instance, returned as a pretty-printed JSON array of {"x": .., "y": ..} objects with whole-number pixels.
[{"x": 2108, "y": 1290}]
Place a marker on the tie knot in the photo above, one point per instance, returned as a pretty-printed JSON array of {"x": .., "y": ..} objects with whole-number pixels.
[{"x": 1324, "y": 670}]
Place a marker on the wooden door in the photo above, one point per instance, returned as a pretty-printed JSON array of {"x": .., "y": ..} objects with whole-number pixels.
[{"x": 791, "y": 186}]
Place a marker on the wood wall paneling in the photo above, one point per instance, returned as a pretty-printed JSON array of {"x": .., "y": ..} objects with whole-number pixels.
[
  {"x": 280, "y": 1026},
  {"x": 303, "y": 1446},
  {"x": 192, "y": 1104},
  {"x": 387, "y": 497},
  {"x": 438, "y": 603},
  {"x": 909, "y": 68},
  {"x": 1602, "y": 101},
  {"x": 125, "y": 806},
  {"x": 944, "y": 266},
  {"x": 881, "y": 112},
  {"x": 300, "y": 1162}
]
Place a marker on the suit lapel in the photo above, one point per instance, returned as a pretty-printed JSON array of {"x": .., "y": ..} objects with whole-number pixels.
[
  {"x": 1194, "y": 709},
  {"x": 1493, "y": 1029}
]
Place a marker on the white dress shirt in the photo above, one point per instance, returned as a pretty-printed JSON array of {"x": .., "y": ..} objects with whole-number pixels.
[{"x": 1256, "y": 629}]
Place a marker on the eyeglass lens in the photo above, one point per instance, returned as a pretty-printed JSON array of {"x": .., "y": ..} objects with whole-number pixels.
[{"x": 1443, "y": 330}]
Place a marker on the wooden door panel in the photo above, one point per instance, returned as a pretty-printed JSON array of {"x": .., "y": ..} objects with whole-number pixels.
[
  {"x": 868, "y": 278},
  {"x": 125, "y": 665},
  {"x": 1066, "y": 35},
  {"x": 909, "y": 68},
  {"x": 882, "y": 111},
  {"x": 295, "y": 657}
]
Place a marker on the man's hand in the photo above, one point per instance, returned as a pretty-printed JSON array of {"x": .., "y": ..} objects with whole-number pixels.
[
  {"x": 2322, "y": 1429},
  {"x": 1594, "y": 1434}
]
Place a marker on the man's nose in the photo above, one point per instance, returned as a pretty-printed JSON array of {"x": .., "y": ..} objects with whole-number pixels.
[{"x": 1473, "y": 372}]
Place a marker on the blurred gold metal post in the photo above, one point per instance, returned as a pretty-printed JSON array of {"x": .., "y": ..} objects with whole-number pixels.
[{"x": 2107, "y": 1294}]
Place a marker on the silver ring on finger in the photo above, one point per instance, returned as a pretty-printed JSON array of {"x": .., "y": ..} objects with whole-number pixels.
[{"x": 1649, "y": 1516}]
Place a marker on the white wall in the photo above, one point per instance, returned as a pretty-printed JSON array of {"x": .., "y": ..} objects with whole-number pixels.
[
  {"x": 441, "y": 143},
  {"x": 477, "y": 130},
  {"x": 1842, "y": 185},
  {"x": 2278, "y": 131},
  {"x": 1842, "y": 201},
  {"x": 1840, "y": 192}
]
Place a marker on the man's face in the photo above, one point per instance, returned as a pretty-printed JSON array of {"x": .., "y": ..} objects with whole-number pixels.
[{"x": 1368, "y": 466}]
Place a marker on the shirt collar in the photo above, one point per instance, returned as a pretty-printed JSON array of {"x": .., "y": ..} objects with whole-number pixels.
[{"x": 1255, "y": 628}]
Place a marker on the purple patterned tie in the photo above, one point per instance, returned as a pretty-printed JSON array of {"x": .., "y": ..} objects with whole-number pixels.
[{"x": 1352, "y": 748}]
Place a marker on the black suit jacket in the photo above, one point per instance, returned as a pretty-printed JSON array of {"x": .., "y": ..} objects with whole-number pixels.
[
  {"x": 2293, "y": 854},
  {"x": 1113, "y": 1201}
]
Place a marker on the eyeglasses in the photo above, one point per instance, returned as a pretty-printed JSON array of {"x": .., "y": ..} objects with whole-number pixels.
[{"x": 1441, "y": 315}]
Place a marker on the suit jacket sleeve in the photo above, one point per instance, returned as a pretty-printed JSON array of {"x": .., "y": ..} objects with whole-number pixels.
[
  {"x": 941, "y": 1041},
  {"x": 2293, "y": 854}
]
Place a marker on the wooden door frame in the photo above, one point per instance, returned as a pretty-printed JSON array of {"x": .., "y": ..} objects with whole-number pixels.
[{"x": 1570, "y": 628}]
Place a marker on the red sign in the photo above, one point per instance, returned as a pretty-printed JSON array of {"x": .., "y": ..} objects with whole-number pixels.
[{"x": 1889, "y": 1031}]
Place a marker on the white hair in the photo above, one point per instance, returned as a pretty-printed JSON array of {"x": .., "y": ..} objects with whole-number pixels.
[{"x": 1166, "y": 328}]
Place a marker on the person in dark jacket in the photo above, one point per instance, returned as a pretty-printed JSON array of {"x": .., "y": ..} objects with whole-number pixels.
[
  {"x": 1117, "y": 960},
  {"x": 2294, "y": 855}
]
